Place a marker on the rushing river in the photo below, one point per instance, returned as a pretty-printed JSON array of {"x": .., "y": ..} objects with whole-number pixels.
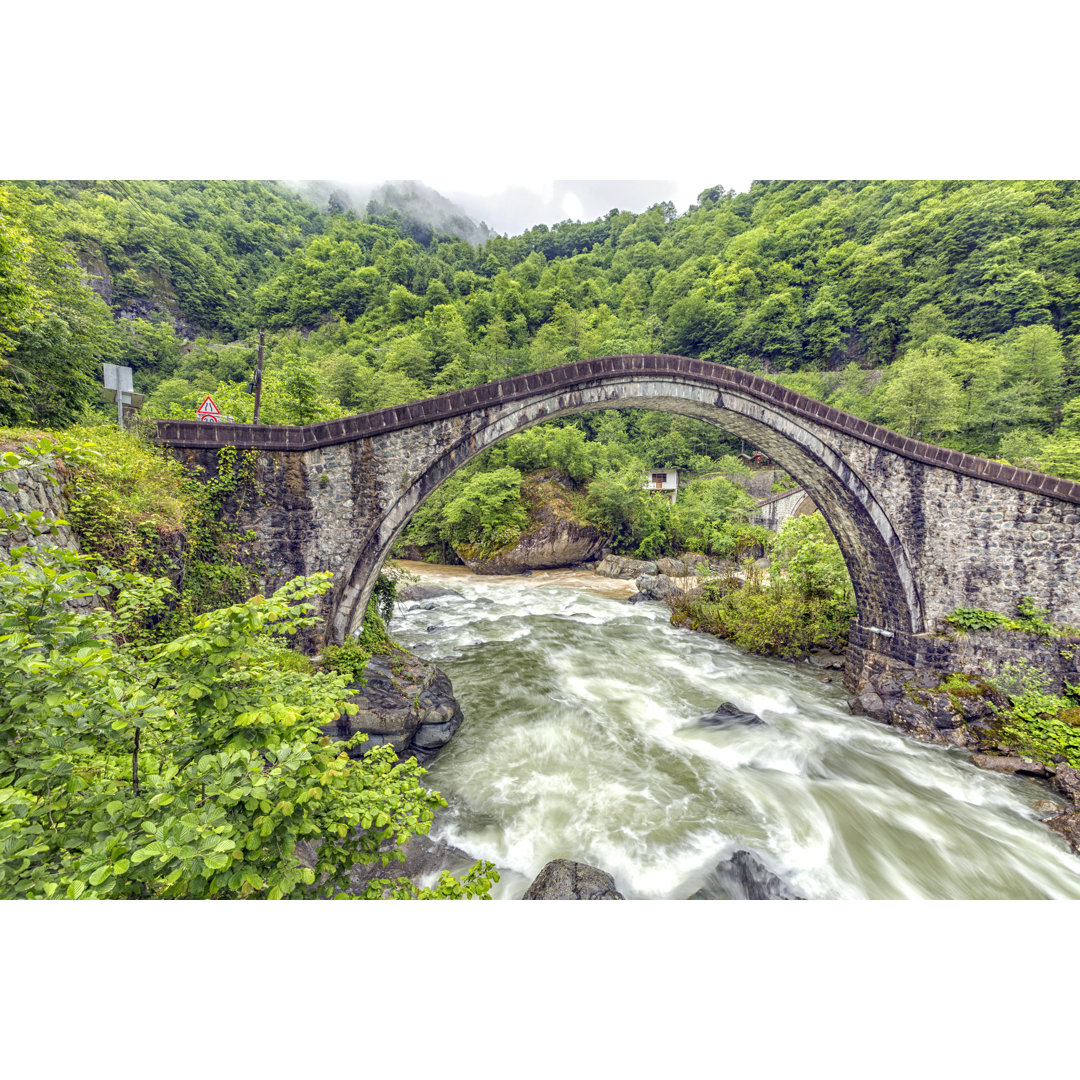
[{"x": 580, "y": 742}]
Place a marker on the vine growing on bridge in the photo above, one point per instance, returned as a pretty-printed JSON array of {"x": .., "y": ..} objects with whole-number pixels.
[{"x": 135, "y": 507}]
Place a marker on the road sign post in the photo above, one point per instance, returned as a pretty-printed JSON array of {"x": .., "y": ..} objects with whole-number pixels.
[{"x": 119, "y": 388}]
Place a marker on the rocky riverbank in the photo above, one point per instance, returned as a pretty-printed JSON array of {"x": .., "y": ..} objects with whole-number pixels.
[
  {"x": 406, "y": 702},
  {"x": 964, "y": 711}
]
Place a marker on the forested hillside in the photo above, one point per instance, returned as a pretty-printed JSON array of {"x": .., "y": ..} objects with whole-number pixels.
[{"x": 946, "y": 310}]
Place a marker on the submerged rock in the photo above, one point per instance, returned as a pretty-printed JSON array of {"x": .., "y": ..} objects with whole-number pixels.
[
  {"x": 425, "y": 592},
  {"x": 405, "y": 702},
  {"x": 563, "y": 879},
  {"x": 744, "y": 877},
  {"x": 728, "y": 715}
]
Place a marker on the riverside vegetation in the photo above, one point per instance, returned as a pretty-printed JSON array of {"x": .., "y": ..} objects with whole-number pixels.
[
  {"x": 152, "y": 747},
  {"x": 947, "y": 311}
]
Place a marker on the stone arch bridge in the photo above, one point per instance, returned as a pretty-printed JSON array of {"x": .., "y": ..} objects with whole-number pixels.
[{"x": 924, "y": 530}]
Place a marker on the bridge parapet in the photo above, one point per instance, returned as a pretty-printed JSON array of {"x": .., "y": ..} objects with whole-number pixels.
[{"x": 190, "y": 434}]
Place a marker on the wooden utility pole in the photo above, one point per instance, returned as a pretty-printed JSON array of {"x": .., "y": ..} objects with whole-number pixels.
[{"x": 258, "y": 376}]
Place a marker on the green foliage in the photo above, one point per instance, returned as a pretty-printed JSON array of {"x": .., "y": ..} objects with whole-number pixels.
[
  {"x": 969, "y": 619},
  {"x": 805, "y": 602},
  {"x": 1040, "y": 723},
  {"x": 129, "y": 502},
  {"x": 349, "y": 659},
  {"x": 1028, "y": 619},
  {"x": 488, "y": 512},
  {"x": 54, "y": 329},
  {"x": 189, "y": 768}
]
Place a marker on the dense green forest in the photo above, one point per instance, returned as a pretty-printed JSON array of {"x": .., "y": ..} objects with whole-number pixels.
[{"x": 948, "y": 310}]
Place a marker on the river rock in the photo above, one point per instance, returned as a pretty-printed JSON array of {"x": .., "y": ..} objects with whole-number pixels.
[
  {"x": 826, "y": 661},
  {"x": 622, "y": 566},
  {"x": 424, "y": 860},
  {"x": 425, "y": 592},
  {"x": 1068, "y": 825},
  {"x": 744, "y": 877},
  {"x": 1066, "y": 782},
  {"x": 669, "y": 590},
  {"x": 684, "y": 566},
  {"x": 1002, "y": 764},
  {"x": 553, "y": 544},
  {"x": 406, "y": 702},
  {"x": 563, "y": 879},
  {"x": 728, "y": 715}
]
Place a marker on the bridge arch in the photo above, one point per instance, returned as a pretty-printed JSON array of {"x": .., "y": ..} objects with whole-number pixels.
[
  {"x": 923, "y": 529},
  {"x": 886, "y": 592}
]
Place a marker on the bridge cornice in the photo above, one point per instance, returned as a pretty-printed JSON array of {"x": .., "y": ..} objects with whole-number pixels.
[{"x": 190, "y": 434}]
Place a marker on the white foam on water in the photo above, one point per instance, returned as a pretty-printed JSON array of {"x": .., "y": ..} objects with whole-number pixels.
[{"x": 579, "y": 742}]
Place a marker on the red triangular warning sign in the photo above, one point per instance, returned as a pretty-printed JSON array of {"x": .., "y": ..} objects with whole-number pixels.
[{"x": 207, "y": 408}]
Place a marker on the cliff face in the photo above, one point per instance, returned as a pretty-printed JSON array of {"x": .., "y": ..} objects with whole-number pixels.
[{"x": 555, "y": 535}]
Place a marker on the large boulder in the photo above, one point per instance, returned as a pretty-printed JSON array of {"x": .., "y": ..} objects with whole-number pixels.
[
  {"x": 684, "y": 566},
  {"x": 744, "y": 877},
  {"x": 622, "y": 566},
  {"x": 1067, "y": 782},
  {"x": 666, "y": 589},
  {"x": 405, "y": 702},
  {"x": 554, "y": 537},
  {"x": 563, "y": 879},
  {"x": 1068, "y": 826}
]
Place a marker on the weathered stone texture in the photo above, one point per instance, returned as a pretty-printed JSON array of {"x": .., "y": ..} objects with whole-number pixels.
[{"x": 36, "y": 492}]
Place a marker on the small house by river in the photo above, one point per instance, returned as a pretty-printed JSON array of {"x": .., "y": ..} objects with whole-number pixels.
[{"x": 663, "y": 480}]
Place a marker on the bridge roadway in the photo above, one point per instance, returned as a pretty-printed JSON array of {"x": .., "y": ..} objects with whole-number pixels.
[{"x": 923, "y": 529}]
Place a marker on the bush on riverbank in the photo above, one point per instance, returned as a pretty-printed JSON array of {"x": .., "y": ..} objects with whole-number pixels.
[
  {"x": 190, "y": 767},
  {"x": 1040, "y": 723},
  {"x": 805, "y": 601}
]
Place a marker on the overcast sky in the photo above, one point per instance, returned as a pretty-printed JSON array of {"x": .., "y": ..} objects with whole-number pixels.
[{"x": 512, "y": 208}]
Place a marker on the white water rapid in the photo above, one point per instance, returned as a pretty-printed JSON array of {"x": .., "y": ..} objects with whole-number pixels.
[{"x": 579, "y": 742}]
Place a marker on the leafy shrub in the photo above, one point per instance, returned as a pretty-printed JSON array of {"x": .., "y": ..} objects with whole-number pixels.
[
  {"x": 348, "y": 659},
  {"x": 1029, "y": 619},
  {"x": 1040, "y": 723},
  {"x": 187, "y": 769},
  {"x": 806, "y": 603},
  {"x": 969, "y": 619}
]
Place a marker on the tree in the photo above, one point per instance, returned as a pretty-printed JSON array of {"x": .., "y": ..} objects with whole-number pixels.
[
  {"x": 54, "y": 329},
  {"x": 918, "y": 398},
  {"x": 488, "y": 510}
]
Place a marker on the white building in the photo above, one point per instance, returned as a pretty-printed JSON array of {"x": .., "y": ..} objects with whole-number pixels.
[{"x": 665, "y": 480}]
